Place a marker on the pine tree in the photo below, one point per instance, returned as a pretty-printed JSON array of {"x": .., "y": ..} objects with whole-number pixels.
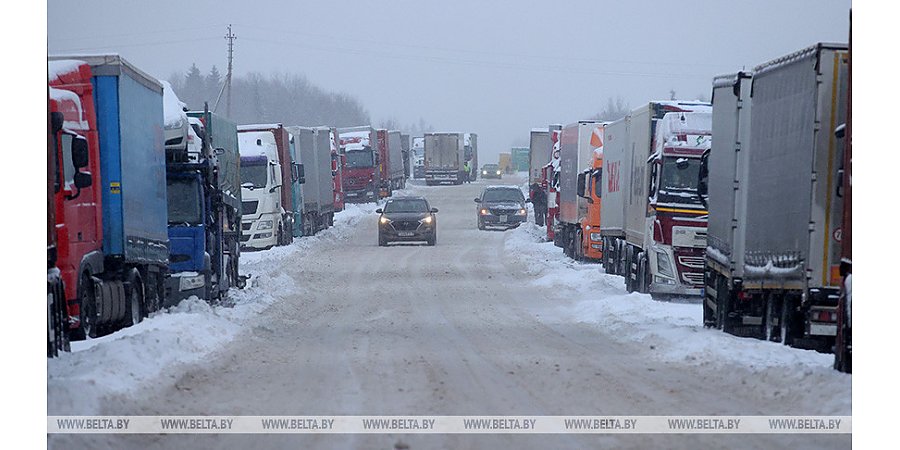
[
  {"x": 213, "y": 85},
  {"x": 193, "y": 88}
]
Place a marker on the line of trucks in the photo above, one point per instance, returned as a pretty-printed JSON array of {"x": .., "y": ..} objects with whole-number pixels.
[
  {"x": 744, "y": 202},
  {"x": 149, "y": 204}
]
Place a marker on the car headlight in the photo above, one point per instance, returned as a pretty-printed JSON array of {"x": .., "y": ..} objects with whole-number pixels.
[
  {"x": 265, "y": 225},
  {"x": 596, "y": 237},
  {"x": 484, "y": 172},
  {"x": 384, "y": 220},
  {"x": 427, "y": 220},
  {"x": 484, "y": 212},
  {"x": 664, "y": 265},
  {"x": 191, "y": 282},
  {"x": 521, "y": 212},
  {"x": 498, "y": 172}
]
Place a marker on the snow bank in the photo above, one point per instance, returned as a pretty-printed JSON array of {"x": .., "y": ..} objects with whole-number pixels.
[
  {"x": 672, "y": 331},
  {"x": 157, "y": 351}
]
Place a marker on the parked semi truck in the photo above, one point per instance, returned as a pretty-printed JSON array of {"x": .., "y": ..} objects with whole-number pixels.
[
  {"x": 775, "y": 197},
  {"x": 404, "y": 152},
  {"x": 57, "y": 313},
  {"x": 444, "y": 158},
  {"x": 218, "y": 141},
  {"x": 578, "y": 227},
  {"x": 362, "y": 173},
  {"x": 112, "y": 237},
  {"x": 653, "y": 158},
  {"x": 313, "y": 146},
  {"x": 269, "y": 177},
  {"x": 392, "y": 153},
  {"x": 418, "y": 157},
  {"x": 471, "y": 154},
  {"x": 843, "y": 347},
  {"x": 550, "y": 179},
  {"x": 520, "y": 159}
]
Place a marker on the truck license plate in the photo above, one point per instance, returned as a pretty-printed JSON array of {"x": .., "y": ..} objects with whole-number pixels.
[
  {"x": 405, "y": 233},
  {"x": 503, "y": 218}
]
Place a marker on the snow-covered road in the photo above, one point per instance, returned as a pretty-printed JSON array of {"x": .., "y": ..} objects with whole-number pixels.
[{"x": 485, "y": 323}]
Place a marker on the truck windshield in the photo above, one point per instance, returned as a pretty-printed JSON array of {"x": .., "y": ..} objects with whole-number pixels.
[
  {"x": 254, "y": 172},
  {"x": 679, "y": 180},
  {"x": 184, "y": 201},
  {"x": 503, "y": 195},
  {"x": 412, "y": 205},
  {"x": 359, "y": 159}
]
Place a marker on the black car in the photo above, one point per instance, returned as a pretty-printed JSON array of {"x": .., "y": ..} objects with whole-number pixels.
[
  {"x": 491, "y": 171},
  {"x": 407, "y": 219},
  {"x": 501, "y": 206}
]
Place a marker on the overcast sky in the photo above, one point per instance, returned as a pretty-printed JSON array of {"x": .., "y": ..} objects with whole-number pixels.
[{"x": 494, "y": 68}]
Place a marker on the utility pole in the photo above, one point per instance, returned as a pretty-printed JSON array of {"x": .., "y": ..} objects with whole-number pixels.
[{"x": 226, "y": 87}]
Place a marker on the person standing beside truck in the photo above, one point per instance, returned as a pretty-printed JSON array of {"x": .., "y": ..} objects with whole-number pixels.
[
  {"x": 539, "y": 201},
  {"x": 467, "y": 172}
]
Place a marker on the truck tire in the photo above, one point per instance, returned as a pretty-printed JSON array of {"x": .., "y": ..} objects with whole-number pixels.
[
  {"x": 723, "y": 305},
  {"x": 87, "y": 309},
  {"x": 579, "y": 246},
  {"x": 629, "y": 286},
  {"x": 57, "y": 319},
  {"x": 136, "y": 294},
  {"x": 643, "y": 274}
]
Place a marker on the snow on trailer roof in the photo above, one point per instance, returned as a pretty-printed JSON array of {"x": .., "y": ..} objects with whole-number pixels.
[
  {"x": 259, "y": 127},
  {"x": 728, "y": 80},
  {"x": 56, "y": 69},
  {"x": 112, "y": 64}
]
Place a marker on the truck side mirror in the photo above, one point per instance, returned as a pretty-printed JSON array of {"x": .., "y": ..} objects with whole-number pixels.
[
  {"x": 301, "y": 174},
  {"x": 56, "y": 121},
  {"x": 579, "y": 189},
  {"x": 703, "y": 179},
  {"x": 82, "y": 179},
  {"x": 79, "y": 152}
]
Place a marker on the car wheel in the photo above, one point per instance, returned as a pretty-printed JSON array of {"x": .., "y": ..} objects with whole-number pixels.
[
  {"x": 480, "y": 224},
  {"x": 382, "y": 241},
  {"x": 433, "y": 239}
]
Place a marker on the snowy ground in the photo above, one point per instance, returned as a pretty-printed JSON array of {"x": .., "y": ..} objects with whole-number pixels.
[
  {"x": 674, "y": 331},
  {"x": 154, "y": 350}
]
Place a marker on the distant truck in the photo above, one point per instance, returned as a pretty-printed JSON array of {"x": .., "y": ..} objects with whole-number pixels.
[
  {"x": 653, "y": 221},
  {"x": 362, "y": 173},
  {"x": 581, "y": 151},
  {"x": 392, "y": 155},
  {"x": 113, "y": 246},
  {"x": 538, "y": 153},
  {"x": 338, "y": 161},
  {"x": 269, "y": 178},
  {"x": 471, "y": 154},
  {"x": 444, "y": 158},
  {"x": 520, "y": 159},
  {"x": 773, "y": 258},
  {"x": 550, "y": 180},
  {"x": 504, "y": 162},
  {"x": 313, "y": 146},
  {"x": 418, "y": 157},
  {"x": 404, "y": 147}
]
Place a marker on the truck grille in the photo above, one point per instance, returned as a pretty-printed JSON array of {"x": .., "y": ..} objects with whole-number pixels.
[
  {"x": 693, "y": 278},
  {"x": 246, "y": 226},
  {"x": 406, "y": 225},
  {"x": 694, "y": 262},
  {"x": 249, "y": 207}
]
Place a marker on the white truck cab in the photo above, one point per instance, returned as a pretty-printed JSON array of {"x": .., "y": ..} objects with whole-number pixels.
[{"x": 261, "y": 184}]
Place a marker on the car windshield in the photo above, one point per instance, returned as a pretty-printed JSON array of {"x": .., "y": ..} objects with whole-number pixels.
[
  {"x": 410, "y": 205},
  {"x": 359, "y": 159},
  {"x": 489, "y": 167},
  {"x": 184, "y": 201},
  {"x": 254, "y": 172},
  {"x": 503, "y": 195}
]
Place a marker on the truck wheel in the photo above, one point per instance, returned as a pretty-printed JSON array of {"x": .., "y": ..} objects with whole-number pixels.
[
  {"x": 627, "y": 273},
  {"x": 579, "y": 246},
  {"x": 643, "y": 275},
  {"x": 87, "y": 309},
  {"x": 723, "y": 305},
  {"x": 135, "y": 313}
]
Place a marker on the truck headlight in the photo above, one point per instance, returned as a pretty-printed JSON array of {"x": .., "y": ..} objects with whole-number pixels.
[
  {"x": 265, "y": 225},
  {"x": 663, "y": 265},
  {"x": 596, "y": 237},
  {"x": 191, "y": 282}
]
